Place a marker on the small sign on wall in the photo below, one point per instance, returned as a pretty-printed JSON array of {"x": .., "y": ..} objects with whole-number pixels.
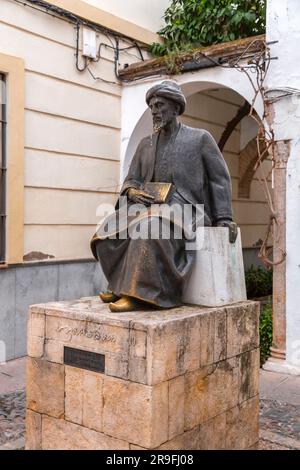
[{"x": 84, "y": 359}]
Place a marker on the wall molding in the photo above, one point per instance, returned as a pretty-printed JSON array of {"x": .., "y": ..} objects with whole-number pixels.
[
  {"x": 13, "y": 68},
  {"x": 108, "y": 20}
]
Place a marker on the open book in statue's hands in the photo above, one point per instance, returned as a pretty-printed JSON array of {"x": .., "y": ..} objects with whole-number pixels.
[{"x": 160, "y": 191}]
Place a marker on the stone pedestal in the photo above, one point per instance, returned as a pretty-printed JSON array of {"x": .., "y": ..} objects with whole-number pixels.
[
  {"x": 185, "y": 378},
  {"x": 218, "y": 276}
]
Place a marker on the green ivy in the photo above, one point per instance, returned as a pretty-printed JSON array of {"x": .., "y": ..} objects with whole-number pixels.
[
  {"x": 259, "y": 282},
  {"x": 265, "y": 332},
  {"x": 195, "y": 23}
]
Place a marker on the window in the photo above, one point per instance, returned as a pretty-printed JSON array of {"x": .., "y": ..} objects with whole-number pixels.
[{"x": 3, "y": 124}]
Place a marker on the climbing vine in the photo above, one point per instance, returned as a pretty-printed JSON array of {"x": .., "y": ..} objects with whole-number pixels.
[{"x": 195, "y": 23}]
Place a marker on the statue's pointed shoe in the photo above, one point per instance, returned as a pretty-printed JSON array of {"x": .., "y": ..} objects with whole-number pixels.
[
  {"x": 108, "y": 296},
  {"x": 125, "y": 304}
]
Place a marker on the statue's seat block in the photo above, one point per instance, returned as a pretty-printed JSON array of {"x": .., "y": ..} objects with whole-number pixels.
[
  {"x": 184, "y": 378},
  {"x": 218, "y": 275}
]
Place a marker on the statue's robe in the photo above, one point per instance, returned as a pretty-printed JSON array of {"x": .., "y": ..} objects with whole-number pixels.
[{"x": 155, "y": 270}]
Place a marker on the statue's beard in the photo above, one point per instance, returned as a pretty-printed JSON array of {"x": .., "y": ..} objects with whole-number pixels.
[{"x": 158, "y": 124}]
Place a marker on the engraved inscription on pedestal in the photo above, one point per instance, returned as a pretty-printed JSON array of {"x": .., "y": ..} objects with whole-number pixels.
[
  {"x": 95, "y": 334},
  {"x": 84, "y": 359}
]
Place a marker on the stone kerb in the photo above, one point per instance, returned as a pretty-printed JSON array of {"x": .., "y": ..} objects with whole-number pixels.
[{"x": 185, "y": 378}]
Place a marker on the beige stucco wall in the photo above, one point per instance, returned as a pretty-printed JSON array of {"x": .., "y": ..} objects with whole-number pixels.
[
  {"x": 147, "y": 14},
  {"x": 72, "y": 133},
  {"x": 211, "y": 110}
]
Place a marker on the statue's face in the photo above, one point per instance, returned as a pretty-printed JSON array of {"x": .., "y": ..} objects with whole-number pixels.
[{"x": 163, "y": 111}]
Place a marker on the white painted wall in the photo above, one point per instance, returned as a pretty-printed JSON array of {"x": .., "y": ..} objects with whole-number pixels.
[
  {"x": 249, "y": 128},
  {"x": 72, "y": 132},
  {"x": 283, "y": 25},
  {"x": 145, "y": 13}
]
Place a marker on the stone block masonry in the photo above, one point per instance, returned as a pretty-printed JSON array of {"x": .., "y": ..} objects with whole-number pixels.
[{"x": 185, "y": 378}]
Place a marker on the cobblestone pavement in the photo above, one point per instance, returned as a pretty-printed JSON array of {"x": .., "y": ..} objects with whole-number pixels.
[
  {"x": 282, "y": 418},
  {"x": 279, "y": 425},
  {"x": 268, "y": 445},
  {"x": 279, "y": 422},
  {"x": 12, "y": 416}
]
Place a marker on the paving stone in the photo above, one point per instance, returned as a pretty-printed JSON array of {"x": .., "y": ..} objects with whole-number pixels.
[
  {"x": 280, "y": 418},
  {"x": 12, "y": 416}
]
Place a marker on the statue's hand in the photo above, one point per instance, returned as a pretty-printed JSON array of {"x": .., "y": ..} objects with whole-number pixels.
[
  {"x": 233, "y": 229},
  {"x": 140, "y": 197}
]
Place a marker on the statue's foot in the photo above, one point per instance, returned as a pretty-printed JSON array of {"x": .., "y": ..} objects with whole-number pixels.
[
  {"x": 108, "y": 296},
  {"x": 125, "y": 304}
]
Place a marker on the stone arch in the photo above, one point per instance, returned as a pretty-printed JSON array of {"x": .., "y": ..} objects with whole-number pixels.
[
  {"x": 136, "y": 119},
  {"x": 250, "y": 208}
]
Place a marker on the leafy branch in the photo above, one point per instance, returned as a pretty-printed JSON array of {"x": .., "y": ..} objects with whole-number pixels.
[{"x": 196, "y": 23}]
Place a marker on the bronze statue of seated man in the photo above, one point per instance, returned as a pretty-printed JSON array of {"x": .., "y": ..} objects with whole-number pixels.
[{"x": 154, "y": 271}]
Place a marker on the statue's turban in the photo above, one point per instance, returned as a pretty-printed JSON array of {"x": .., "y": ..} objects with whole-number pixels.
[{"x": 170, "y": 90}]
